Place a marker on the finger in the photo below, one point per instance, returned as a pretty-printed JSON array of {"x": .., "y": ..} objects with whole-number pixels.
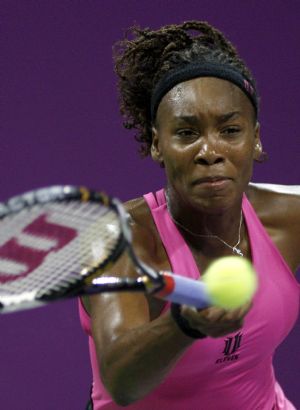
[
  {"x": 211, "y": 314},
  {"x": 237, "y": 313}
]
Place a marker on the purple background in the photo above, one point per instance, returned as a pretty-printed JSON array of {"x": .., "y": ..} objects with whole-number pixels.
[{"x": 60, "y": 124}]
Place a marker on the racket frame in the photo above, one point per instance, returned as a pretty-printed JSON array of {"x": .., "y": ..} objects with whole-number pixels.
[{"x": 89, "y": 282}]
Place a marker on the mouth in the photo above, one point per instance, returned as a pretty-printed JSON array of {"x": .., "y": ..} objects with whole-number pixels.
[
  {"x": 211, "y": 179},
  {"x": 213, "y": 182}
]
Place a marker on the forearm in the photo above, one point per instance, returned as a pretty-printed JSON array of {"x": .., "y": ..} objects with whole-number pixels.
[{"x": 138, "y": 361}]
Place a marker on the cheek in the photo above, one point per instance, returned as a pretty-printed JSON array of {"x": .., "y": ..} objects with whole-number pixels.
[
  {"x": 243, "y": 162},
  {"x": 173, "y": 170},
  {"x": 176, "y": 165}
]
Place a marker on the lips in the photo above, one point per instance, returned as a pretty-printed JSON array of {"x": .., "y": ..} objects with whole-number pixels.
[{"x": 211, "y": 179}]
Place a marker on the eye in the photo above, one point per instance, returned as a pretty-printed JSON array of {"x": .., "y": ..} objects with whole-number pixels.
[
  {"x": 186, "y": 133},
  {"x": 231, "y": 131}
]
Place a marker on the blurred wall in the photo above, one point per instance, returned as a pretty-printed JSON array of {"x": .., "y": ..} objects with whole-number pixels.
[{"x": 60, "y": 123}]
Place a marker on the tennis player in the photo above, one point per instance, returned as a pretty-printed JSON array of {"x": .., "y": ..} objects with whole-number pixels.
[{"x": 194, "y": 105}]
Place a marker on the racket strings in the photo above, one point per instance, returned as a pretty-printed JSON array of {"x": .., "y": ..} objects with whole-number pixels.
[{"x": 98, "y": 232}]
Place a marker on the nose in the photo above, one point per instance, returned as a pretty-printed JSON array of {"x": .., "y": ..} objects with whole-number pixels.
[{"x": 208, "y": 153}]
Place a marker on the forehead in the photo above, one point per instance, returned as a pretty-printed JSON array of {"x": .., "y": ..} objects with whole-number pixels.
[{"x": 204, "y": 96}]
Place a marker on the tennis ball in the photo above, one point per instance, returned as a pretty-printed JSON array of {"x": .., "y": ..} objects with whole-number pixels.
[{"x": 231, "y": 281}]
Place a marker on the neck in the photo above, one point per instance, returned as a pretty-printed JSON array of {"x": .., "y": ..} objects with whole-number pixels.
[{"x": 218, "y": 232}]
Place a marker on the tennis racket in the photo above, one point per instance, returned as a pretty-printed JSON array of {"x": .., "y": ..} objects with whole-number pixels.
[{"x": 56, "y": 241}]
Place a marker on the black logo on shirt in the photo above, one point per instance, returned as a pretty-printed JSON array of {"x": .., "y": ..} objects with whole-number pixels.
[{"x": 232, "y": 345}]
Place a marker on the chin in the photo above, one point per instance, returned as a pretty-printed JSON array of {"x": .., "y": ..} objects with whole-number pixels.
[{"x": 216, "y": 204}]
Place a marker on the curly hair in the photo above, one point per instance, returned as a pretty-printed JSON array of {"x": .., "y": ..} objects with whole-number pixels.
[{"x": 144, "y": 56}]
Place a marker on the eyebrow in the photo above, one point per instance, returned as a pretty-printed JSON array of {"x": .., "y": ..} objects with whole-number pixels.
[
  {"x": 228, "y": 116},
  {"x": 193, "y": 119}
]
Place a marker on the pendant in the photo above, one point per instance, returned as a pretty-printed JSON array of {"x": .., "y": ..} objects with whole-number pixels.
[{"x": 238, "y": 251}]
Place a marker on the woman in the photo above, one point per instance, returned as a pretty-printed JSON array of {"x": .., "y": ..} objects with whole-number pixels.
[{"x": 194, "y": 104}]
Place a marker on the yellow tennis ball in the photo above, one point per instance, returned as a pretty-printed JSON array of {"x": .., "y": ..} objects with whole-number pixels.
[{"x": 231, "y": 281}]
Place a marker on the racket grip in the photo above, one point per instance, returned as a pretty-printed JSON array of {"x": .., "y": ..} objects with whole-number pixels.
[{"x": 184, "y": 291}]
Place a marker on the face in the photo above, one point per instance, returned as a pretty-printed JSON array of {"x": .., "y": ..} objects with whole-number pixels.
[{"x": 207, "y": 138}]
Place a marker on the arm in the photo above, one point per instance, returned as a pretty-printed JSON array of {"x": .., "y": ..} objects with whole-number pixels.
[
  {"x": 135, "y": 352},
  {"x": 136, "y": 346}
]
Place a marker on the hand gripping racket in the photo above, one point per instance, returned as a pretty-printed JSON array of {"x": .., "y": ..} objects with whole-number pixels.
[{"x": 56, "y": 241}]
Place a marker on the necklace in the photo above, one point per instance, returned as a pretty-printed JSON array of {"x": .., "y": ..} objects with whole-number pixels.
[{"x": 235, "y": 249}]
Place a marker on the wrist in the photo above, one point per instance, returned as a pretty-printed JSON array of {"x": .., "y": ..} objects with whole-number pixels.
[{"x": 183, "y": 323}]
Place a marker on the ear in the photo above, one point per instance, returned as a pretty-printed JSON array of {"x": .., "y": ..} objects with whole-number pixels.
[
  {"x": 155, "y": 148},
  {"x": 258, "y": 149}
]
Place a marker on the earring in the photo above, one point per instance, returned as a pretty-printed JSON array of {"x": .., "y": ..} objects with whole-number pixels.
[
  {"x": 262, "y": 155},
  {"x": 156, "y": 157}
]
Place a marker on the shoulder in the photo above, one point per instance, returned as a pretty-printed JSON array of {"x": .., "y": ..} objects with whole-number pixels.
[
  {"x": 147, "y": 244},
  {"x": 278, "y": 208},
  {"x": 275, "y": 202},
  {"x": 146, "y": 239},
  {"x": 141, "y": 221}
]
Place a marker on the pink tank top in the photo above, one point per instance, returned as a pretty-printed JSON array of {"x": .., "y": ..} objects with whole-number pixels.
[{"x": 228, "y": 373}]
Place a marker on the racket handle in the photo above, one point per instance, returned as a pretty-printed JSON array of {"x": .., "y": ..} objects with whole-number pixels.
[{"x": 184, "y": 291}]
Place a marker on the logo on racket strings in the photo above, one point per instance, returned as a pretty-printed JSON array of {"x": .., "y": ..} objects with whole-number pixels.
[{"x": 19, "y": 259}]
